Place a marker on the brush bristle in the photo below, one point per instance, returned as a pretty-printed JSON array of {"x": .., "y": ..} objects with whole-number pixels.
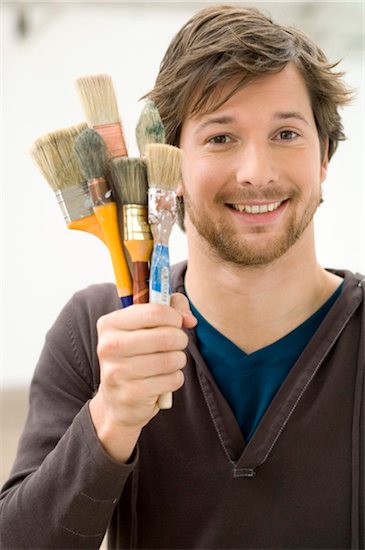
[
  {"x": 90, "y": 149},
  {"x": 163, "y": 165},
  {"x": 129, "y": 180},
  {"x": 150, "y": 128},
  {"x": 54, "y": 155},
  {"x": 98, "y": 99}
]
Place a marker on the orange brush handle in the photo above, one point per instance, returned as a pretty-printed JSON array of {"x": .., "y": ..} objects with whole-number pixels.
[
  {"x": 89, "y": 224},
  {"x": 106, "y": 215}
]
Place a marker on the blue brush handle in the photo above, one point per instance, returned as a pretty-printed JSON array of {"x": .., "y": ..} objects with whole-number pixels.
[
  {"x": 126, "y": 301},
  {"x": 160, "y": 286},
  {"x": 160, "y": 292}
]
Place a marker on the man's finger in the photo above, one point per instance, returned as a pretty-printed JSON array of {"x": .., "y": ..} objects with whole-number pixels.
[{"x": 181, "y": 304}]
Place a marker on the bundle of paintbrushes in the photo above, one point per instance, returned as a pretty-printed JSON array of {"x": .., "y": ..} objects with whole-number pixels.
[
  {"x": 164, "y": 174},
  {"x": 91, "y": 151},
  {"x": 54, "y": 155},
  {"x": 99, "y": 103},
  {"x": 69, "y": 157}
]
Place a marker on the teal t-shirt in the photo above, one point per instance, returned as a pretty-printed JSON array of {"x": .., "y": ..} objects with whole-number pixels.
[{"x": 250, "y": 381}]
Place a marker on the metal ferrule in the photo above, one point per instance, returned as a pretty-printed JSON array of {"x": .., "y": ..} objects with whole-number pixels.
[
  {"x": 75, "y": 201},
  {"x": 135, "y": 224},
  {"x": 112, "y": 134},
  {"x": 161, "y": 204},
  {"x": 162, "y": 212},
  {"x": 100, "y": 191}
]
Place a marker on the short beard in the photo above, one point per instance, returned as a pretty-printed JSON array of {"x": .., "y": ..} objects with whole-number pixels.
[{"x": 235, "y": 249}]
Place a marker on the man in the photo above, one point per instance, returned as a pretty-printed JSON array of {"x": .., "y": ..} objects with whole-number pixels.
[{"x": 263, "y": 446}]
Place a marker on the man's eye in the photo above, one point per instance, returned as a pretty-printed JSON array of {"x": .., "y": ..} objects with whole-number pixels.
[
  {"x": 287, "y": 135},
  {"x": 222, "y": 138}
]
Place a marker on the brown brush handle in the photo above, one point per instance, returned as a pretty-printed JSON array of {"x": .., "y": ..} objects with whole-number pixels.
[{"x": 140, "y": 282}]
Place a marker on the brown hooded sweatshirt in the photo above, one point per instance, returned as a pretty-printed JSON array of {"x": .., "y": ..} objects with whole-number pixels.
[{"x": 193, "y": 482}]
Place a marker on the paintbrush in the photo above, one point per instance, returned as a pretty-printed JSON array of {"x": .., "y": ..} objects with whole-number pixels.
[
  {"x": 54, "y": 155},
  {"x": 129, "y": 181},
  {"x": 99, "y": 103},
  {"x": 164, "y": 174},
  {"x": 149, "y": 128},
  {"x": 91, "y": 152}
]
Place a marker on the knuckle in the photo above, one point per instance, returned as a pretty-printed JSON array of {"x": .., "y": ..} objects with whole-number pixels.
[
  {"x": 108, "y": 346},
  {"x": 172, "y": 339},
  {"x": 111, "y": 374},
  {"x": 166, "y": 362},
  {"x": 179, "y": 301},
  {"x": 163, "y": 340},
  {"x": 184, "y": 340},
  {"x": 151, "y": 315},
  {"x": 173, "y": 360},
  {"x": 101, "y": 323}
]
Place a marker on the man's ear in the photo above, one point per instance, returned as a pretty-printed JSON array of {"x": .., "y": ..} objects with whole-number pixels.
[
  {"x": 180, "y": 189},
  {"x": 324, "y": 161}
]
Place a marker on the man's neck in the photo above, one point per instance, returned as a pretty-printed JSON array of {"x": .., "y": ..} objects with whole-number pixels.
[{"x": 255, "y": 306}]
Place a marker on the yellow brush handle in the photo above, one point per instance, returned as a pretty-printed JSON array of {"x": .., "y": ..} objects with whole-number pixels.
[
  {"x": 89, "y": 224},
  {"x": 106, "y": 215}
]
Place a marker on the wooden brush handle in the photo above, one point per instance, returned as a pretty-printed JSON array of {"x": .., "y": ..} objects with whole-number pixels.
[
  {"x": 165, "y": 401},
  {"x": 140, "y": 283}
]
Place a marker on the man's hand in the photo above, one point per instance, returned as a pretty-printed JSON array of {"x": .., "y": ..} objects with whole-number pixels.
[{"x": 141, "y": 356}]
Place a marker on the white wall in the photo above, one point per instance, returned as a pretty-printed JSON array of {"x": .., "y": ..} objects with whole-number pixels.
[{"x": 43, "y": 263}]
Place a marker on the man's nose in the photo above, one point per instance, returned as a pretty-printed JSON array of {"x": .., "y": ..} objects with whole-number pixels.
[{"x": 256, "y": 165}]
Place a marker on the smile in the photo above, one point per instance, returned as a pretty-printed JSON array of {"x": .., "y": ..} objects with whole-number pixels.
[{"x": 257, "y": 208}]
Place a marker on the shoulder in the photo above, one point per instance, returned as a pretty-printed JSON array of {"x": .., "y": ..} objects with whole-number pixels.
[
  {"x": 72, "y": 339},
  {"x": 353, "y": 283},
  {"x": 347, "y": 275},
  {"x": 95, "y": 300}
]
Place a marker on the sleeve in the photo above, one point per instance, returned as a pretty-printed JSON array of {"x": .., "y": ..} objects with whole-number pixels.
[{"x": 63, "y": 487}]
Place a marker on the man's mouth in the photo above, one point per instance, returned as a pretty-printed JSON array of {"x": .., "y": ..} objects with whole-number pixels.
[{"x": 257, "y": 208}]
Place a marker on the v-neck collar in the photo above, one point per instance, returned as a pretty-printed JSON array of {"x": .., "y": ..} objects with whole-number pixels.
[{"x": 245, "y": 458}]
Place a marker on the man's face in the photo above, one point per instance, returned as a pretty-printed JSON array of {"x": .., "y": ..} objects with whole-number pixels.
[{"x": 252, "y": 170}]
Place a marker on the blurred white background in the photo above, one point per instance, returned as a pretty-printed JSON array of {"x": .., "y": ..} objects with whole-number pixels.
[{"x": 45, "y": 47}]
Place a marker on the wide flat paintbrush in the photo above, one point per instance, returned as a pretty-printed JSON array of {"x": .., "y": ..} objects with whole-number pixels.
[
  {"x": 129, "y": 182},
  {"x": 149, "y": 128},
  {"x": 91, "y": 151},
  {"x": 100, "y": 106},
  {"x": 54, "y": 155},
  {"x": 164, "y": 175}
]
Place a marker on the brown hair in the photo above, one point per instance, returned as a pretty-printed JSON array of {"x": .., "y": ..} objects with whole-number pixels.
[{"x": 221, "y": 43}]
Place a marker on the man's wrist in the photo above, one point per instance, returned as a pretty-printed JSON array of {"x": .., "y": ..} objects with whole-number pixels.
[{"x": 118, "y": 441}]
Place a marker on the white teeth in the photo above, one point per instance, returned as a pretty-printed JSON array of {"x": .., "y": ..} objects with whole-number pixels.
[{"x": 257, "y": 208}]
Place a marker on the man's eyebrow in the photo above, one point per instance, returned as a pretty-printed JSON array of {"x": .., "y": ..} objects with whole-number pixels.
[
  {"x": 225, "y": 119},
  {"x": 284, "y": 115},
  {"x": 214, "y": 120}
]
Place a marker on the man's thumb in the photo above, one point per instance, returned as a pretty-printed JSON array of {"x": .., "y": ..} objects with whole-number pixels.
[{"x": 181, "y": 304}]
